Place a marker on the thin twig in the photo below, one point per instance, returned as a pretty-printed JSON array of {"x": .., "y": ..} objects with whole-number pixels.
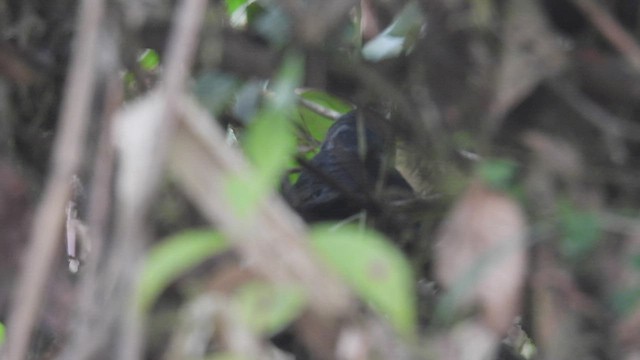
[
  {"x": 132, "y": 210},
  {"x": 67, "y": 156},
  {"x": 596, "y": 115},
  {"x": 611, "y": 30}
]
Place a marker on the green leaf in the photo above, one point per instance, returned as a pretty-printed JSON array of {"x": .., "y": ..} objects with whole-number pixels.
[
  {"x": 314, "y": 124},
  {"x": 627, "y": 300},
  {"x": 233, "y": 5},
  {"x": 244, "y": 194},
  {"x": 269, "y": 144},
  {"x": 268, "y": 309},
  {"x": 497, "y": 173},
  {"x": 215, "y": 90},
  {"x": 398, "y": 37},
  {"x": 2, "y": 333},
  {"x": 580, "y": 231},
  {"x": 635, "y": 261},
  {"x": 374, "y": 268},
  {"x": 274, "y": 25},
  {"x": 288, "y": 79},
  {"x": 149, "y": 59},
  {"x": 326, "y": 100},
  {"x": 174, "y": 256}
]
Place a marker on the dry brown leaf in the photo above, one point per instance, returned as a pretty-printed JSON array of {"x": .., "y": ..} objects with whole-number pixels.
[
  {"x": 531, "y": 53},
  {"x": 480, "y": 255},
  {"x": 557, "y": 156},
  {"x": 558, "y": 309}
]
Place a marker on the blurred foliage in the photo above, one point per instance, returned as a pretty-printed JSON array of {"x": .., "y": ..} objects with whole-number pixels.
[
  {"x": 267, "y": 309},
  {"x": 269, "y": 141},
  {"x": 399, "y": 37},
  {"x": 580, "y": 231},
  {"x": 374, "y": 268},
  {"x": 2, "y": 333},
  {"x": 149, "y": 60},
  {"x": 173, "y": 257}
]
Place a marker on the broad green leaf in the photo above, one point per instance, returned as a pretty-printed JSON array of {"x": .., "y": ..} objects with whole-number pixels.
[
  {"x": 149, "y": 59},
  {"x": 374, "y": 268},
  {"x": 398, "y": 37},
  {"x": 173, "y": 257},
  {"x": 580, "y": 231},
  {"x": 267, "y": 309}
]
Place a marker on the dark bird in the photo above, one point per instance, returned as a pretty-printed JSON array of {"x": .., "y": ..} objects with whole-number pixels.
[{"x": 341, "y": 179}]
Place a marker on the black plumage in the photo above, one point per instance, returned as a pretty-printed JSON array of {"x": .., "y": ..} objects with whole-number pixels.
[{"x": 341, "y": 179}]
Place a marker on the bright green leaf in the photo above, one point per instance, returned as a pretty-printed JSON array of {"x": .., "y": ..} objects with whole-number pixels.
[
  {"x": 267, "y": 309},
  {"x": 314, "y": 124},
  {"x": 149, "y": 59},
  {"x": 174, "y": 256},
  {"x": 375, "y": 269},
  {"x": 233, "y": 5},
  {"x": 2, "y": 333}
]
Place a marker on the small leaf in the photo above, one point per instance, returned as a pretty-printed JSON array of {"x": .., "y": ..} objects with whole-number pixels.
[
  {"x": 580, "y": 230},
  {"x": 233, "y": 5},
  {"x": 398, "y": 37},
  {"x": 497, "y": 173},
  {"x": 172, "y": 257},
  {"x": 375, "y": 269},
  {"x": 149, "y": 59},
  {"x": 2, "y": 333},
  {"x": 268, "y": 309}
]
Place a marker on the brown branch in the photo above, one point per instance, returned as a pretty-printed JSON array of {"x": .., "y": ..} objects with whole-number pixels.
[
  {"x": 611, "y": 30},
  {"x": 67, "y": 155},
  {"x": 143, "y": 158}
]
